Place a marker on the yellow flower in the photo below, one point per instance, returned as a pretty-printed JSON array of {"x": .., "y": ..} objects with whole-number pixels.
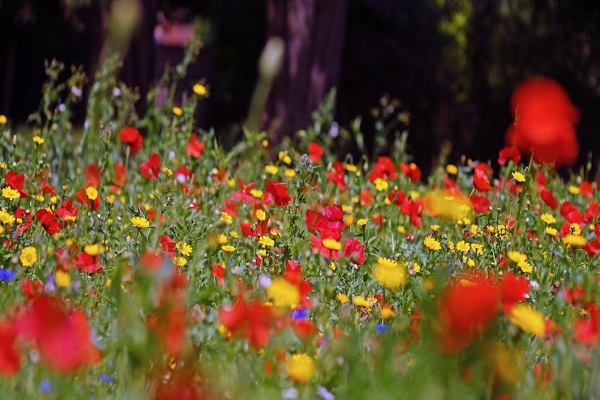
[
  {"x": 28, "y": 256},
  {"x": 432, "y": 244},
  {"x": 140, "y": 222},
  {"x": 6, "y": 218},
  {"x": 91, "y": 193},
  {"x": 200, "y": 90},
  {"x": 257, "y": 194},
  {"x": 110, "y": 199},
  {"x": 519, "y": 177},
  {"x": 300, "y": 367},
  {"x": 184, "y": 248},
  {"x": 3, "y": 119},
  {"x": 177, "y": 111},
  {"x": 451, "y": 169},
  {"x": 38, "y": 139},
  {"x": 351, "y": 168},
  {"x": 360, "y": 301},
  {"x": 342, "y": 298},
  {"x": 284, "y": 293},
  {"x": 547, "y": 218},
  {"x": 416, "y": 267},
  {"x": 271, "y": 169},
  {"x": 289, "y": 173},
  {"x": 463, "y": 246},
  {"x": 434, "y": 228},
  {"x": 221, "y": 238},
  {"x": 62, "y": 278},
  {"x": 525, "y": 266},
  {"x": 387, "y": 313},
  {"x": 380, "y": 184},
  {"x": 228, "y": 248},
  {"x": 234, "y": 234},
  {"x": 179, "y": 261},
  {"x": 551, "y": 231},
  {"x": 573, "y": 189},
  {"x": 332, "y": 244},
  {"x": 361, "y": 222},
  {"x": 389, "y": 273},
  {"x": 93, "y": 249},
  {"x": 10, "y": 193},
  {"x": 264, "y": 143},
  {"x": 266, "y": 241},
  {"x": 226, "y": 217},
  {"x": 528, "y": 319},
  {"x": 516, "y": 256},
  {"x": 167, "y": 171},
  {"x": 574, "y": 240},
  {"x": 261, "y": 215}
]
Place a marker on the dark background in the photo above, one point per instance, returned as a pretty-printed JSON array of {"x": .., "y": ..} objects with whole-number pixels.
[{"x": 452, "y": 64}]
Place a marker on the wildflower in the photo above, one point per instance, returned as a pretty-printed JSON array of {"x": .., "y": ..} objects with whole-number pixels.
[
  {"x": 140, "y": 222},
  {"x": 547, "y": 218},
  {"x": 389, "y": 273},
  {"x": 6, "y": 218},
  {"x": 284, "y": 293},
  {"x": 519, "y": 177},
  {"x": 10, "y": 193},
  {"x": 574, "y": 240},
  {"x": 28, "y": 256},
  {"x": 384, "y": 168},
  {"x": 342, "y": 298},
  {"x": 300, "y": 367},
  {"x": 179, "y": 261},
  {"x": 271, "y": 169},
  {"x": 177, "y": 111},
  {"x": 200, "y": 90},
  {"x": 481, "y": 181},
  {"x": 331, "y": 244},
  {"x": 315, "y": 152},
  {"x": 466, "y": 307},
  {"x": 7, "y": 275},
  {"x": 48, "y": 221},
  {"x": 266, "y": 241},
  {"x": 463, "y": 246},
  {"x": 38, "y": 140},
  {"x": 16, "y": 181},
  {"x": 250, "y": 319},
  {"x": 151, "y": 168},
  {"x": 551, "y": 231},
  {"x": 528, "y": 319},
  {"x": 387, "y": 312},
  {"x": 3, "y": 119},
  {"x": 184, "y": 248},
  {"x": 195, "y": 147},
  {"x": 132, "y": 138},
  {"x": 432, "y": 244},
  {"x": 228, "y": 248},
  {"x": 62, "y": 278},
  {"x": 544, "y": 120},
  {"x": 354, "y": 250},
  {"x": 10, "y": 358},
  {"x": 91, "y": 193},
  {"x": 380, "y": 185},
  {"x": 451, "y": 169},
  {"x": 278, "y": 192},
  {"x": 261, "y": 215}
]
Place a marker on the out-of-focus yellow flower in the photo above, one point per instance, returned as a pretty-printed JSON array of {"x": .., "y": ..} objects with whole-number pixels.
[
  {"x": 342, "y": 298},
  {"x": 228, "y": 248},
  {"x": 226, "y": 217},
  {"x": 200, "y": 90},
  {"x": 389, "y": 273},
  {"x": 37, "y": 139},
  {"x": 451, "y": 206},
  {"x": 519, "y": 177},
  {"x": 547, "y": 218},
  {"x": 184, "y": 248},
  {"x": 177, "y": 111},
  {"x": 528, "y": 319},
  {"x": 432, "y": 244},
  {"x": 332, "y": 244},
  {"x": 300, "y": 367},
  {"x": 10, "y": 193},
  {"x": 261, "y": 215},
  {"x": 451, "y": 169},
  {"x": 62, "y": 278},
  {"x": 266, "y": 241},
  {"x": 271, "y": 169},
  {"x": 91, "y": 193},
  {"x": 93, "y": 249},
  {"x": 284, "y": 293}
]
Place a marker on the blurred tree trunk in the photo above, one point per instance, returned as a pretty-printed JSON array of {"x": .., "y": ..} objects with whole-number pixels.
[{"x": 314, "y": 33}]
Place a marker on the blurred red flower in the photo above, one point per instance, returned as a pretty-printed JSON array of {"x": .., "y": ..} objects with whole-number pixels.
[
  {"x": 544, "y": 122},
  {"x": 132, "y": 138},
  {"x": 151, "y": 168},
  {"x": 16, "y": 181}
]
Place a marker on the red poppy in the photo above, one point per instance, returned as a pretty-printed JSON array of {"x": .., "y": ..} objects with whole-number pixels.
[
  {"x": 48, "y": 221},
  {"x": 337, "y": 175},
  {"x": 279, "y": 193},
  {"x": 513, "y": 289},
  {"x": 509, "y": 153},
  {"x": 480, "y": 203},
  {"x": 132, "y": 138},
  {"x": 61, "y": 335},
  {"x": 83, "y": 198},
  {"x": 85, "y": 262},
  {"x": 92, "y": 175},
  {"x": 151, "y": 168},
  {"x": 411, "y": 171},
  {"x": 195, "y": 147},
  {"x": 570, "y": 212},
  {"x": 16, "y": 181},
  {"x": 354, "y": 250},
  {"x": 10, "y": 359},
  {"x": 31, "y": 288},
  {"x": 304, "y": 329},
  {"x": 315, "y": 152},
  {"x": 384, "y": 168},
  {"x": 252, "y": 320},
  {"x": 587, "y": 330},
  {"x": 544, "y": 122},
  {"x": 481, "y": 181},
  {"x": 548, "y": 198},
  {"x": 67, "y": 209},
  {"x": 120, "y": 174},
  {"x": 219, "y": 272},
  {"x": 466, "y": 307}
]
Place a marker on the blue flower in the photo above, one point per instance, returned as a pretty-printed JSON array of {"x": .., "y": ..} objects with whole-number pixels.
[
  {"x": 106, "y": 378},
  {"x": 45, "y": 386},
  {"x": 299, "y": 314},
  {"x": 381, "y": 328},
  {"x": 7, "y": 274}
]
